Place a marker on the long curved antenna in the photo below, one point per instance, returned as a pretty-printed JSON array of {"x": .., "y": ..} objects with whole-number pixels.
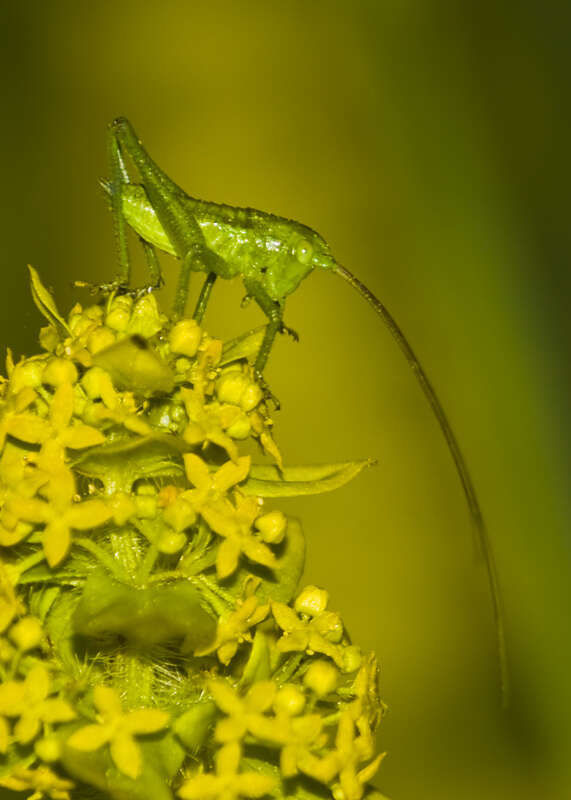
[{"x": 453, "y": 446}]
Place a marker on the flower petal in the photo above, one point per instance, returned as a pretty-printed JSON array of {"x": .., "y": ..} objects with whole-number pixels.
[
  {"x": 90, "y": 737},
  {"x": 126, "y": 754},
  {"x": 145, "y": 720}
]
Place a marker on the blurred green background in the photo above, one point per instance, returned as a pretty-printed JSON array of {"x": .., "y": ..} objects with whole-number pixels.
[{"x": 427, "y": 142}]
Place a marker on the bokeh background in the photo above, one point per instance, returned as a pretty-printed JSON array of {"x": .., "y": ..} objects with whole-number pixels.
[{"x": 427, "y": 142}]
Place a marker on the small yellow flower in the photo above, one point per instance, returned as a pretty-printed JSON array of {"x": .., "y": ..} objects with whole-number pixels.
[
  {"x": 227, "y": 783},
  {"x": 27, "y": 633},
  {"x": 233, "y": 629},
  {"x": 58, "y": 429},
  {"x": 42, "y": 780},
  {"x": 60, "y": 514},
  {"x": 118, "y": 729},
  {"x": 234, "y": 524},
  {"x": 350, "y": 751},
  {"x": 207, "y": 498},
  {"x": 29, "y": 701},
  {"x": 243, "y": 713},
  {"x": 207, "y": 423},
  {"x": 318, "y": 634},
  {"x": 296, "y": 734},
  {"x": 14, "y": 421}
]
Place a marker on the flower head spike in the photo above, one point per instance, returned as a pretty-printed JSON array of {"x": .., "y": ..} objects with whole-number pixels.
[
  {"x": 227, "y": 783},
  {"x": 118, "y": 729}
]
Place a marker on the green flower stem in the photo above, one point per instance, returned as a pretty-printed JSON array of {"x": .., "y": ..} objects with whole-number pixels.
[
  {"x": 133, "y": 678},
  {"x": 101, "y": 555}
]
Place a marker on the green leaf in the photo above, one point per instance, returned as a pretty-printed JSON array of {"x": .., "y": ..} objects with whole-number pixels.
[
  {"x": 97, "y": 769},
  {"x": 270, "y": 481},
  {"x": 194, "y": 726},
  {"x": 144, "y": 616},
  {"x": 281, "y": 581},
  {"x": 245, "y": 346},
  {"x": 45, "y": 302},
  {"x": 258, "y": 665},
  {"x": 133, "y": 365}
]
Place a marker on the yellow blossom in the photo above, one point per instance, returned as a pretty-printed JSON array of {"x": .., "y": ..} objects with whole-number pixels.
[
  {"x": 233, "y": 629},
  {"x": 60, "y": 514},
  {"x": 242, "y": 712},
  {"x": 319, "y": 634},
  {"x": 42, "y": 780},
  {"x": 234, "y": 523},
  {"x": 207, "y": 423},
  {"x": 227, "y": 783},
  {"x": 29, "y": 701},
  {"x": 118, "y": 729}
]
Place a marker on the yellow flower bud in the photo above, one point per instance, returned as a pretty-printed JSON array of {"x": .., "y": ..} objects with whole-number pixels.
[
  {"x": 119, "y": 315},
  {"x": 185, "y": 337},
  {"x": 182, "y": 365},
  {"x": 99, "y": 339},
  {"x": 179, "y": 514},
  {"x": 27, "y": 633},
  {"x": 321, "y": 677},
  {"x": 351, "y": 658},
  {"x": 78, "y": 322},
  {"x": 48, "y": 749},
  {"x": 92, "y": 382},
  {"x": 146, "y": 506},
  {"x": 58, "y": 371},
  {"x": 49, "y": 338},
  {"x": 272, "y": 526},
  {"x": 312, "y": 601},
  {"x": 240, "y": 427},
  {"x": 289, "y": 700},
  {"x": 236, "y": 388},
  {"x": 27, "y": 373},
  {"x": 170, "y": 542}
]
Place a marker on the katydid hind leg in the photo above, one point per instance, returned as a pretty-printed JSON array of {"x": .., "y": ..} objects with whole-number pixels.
[
  {"x": 460, "y": 464},
  {"x": 173, "y": 209},
  {"x": 119, "y": 177}
]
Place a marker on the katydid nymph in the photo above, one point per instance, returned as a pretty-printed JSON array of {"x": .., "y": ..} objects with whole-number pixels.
[{"x": 272, "y": 255}]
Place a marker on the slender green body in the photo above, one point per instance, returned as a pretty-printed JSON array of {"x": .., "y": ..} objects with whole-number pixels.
[
  {"x": 277, "y": 253},
  {"x": 272, "y": 255}
]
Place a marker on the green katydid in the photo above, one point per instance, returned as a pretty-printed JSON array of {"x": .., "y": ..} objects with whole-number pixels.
[{"x": 272, "y": 255}]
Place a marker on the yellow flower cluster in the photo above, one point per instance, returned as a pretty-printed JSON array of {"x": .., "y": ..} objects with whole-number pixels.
[{"x": 151, "y": 638}]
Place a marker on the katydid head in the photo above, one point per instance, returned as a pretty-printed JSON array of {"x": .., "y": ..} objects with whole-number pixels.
[{"x": 301, "y": 251}]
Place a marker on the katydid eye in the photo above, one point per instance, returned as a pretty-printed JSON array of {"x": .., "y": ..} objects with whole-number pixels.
[{"x": 304, "y": 252}]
